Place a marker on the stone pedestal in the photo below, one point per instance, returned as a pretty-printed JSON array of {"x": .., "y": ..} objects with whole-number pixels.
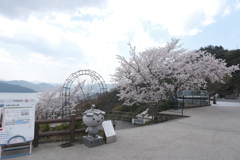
[{"x": 92, "y": 142}]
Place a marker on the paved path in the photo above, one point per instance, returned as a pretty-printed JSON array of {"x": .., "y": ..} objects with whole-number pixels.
[
  {"x": 211, "y": 133},
  {"x": 125, "y": 125},
  {"x": 227, "y": 102}
]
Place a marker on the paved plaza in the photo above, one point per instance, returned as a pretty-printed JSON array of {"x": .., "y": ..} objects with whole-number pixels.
[{"x": 211, "y": 132}]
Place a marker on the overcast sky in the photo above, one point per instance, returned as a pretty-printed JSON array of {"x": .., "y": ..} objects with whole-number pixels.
[{"x": 47, "y": 40}]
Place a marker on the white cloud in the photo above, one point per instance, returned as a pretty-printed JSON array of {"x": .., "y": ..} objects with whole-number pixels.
[
  {"x": 119, "y": 22},
  {"x": 208, "y": 21},
  {"x": 7, "y": 61},
  {"x": 175, "y": 16},
  {"x": 194, "y": 31},
  {"x": 226, "y": 11},
  {"x": 47, "y": 62},
  {"x": 143, "y": 40},
  {"x": 238, "y": 6},
  {"x": 41, "y": 28},
  {"x": 33, "y": 27},
  {"x": 8, "y": 28},
  {"x": 15, "y": 9},
  {"x": 69, "y": 38}
]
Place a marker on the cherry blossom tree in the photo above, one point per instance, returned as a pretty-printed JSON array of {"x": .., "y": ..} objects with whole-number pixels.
[
  {"x": 157, "y": 73},
  {"x": 48, "y": 100},
  {"x": 51, "y": 101}
]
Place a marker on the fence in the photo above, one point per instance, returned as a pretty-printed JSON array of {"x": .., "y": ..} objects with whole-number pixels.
[
  {"x": 70, "y": 132},
  {"x": 194, "y": 101},
  {"x": 229, "y": 96},
  {"x": 46, "y": 118},
  {"x": 118, "y": 115},
  {"x": 169, "y": 105},
  {"x": 57, "y": 114}
]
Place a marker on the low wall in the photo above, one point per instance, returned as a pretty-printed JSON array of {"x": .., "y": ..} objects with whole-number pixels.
[{"x": 230, "y": 96}]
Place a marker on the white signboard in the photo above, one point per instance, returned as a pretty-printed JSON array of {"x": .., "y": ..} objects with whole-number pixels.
[
  {"x": 109, "y": 131},
  {"x": 18, "y": 120},
  {"x": 138, "y": 121}
]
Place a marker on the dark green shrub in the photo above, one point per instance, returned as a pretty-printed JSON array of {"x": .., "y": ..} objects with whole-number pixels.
[
  {"x": 62, "y": 126},
  {"x": 79, "y": 125},
  {"x": 140, "y": 109},
  {"x": 45, "y": 127},
  {"x": 66, "y": 126}
]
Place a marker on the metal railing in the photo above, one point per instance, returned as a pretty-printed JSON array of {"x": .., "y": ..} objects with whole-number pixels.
[{"x": 193, "y": 101}]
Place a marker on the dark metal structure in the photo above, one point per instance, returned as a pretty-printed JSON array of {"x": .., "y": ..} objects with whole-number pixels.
[
  {"x": 68, "y": 83},
  {"x": 67, "y": 89},
  {"x": 193, "y": 97}
]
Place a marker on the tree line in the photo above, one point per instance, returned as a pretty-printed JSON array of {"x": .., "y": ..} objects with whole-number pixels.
[{"x": 231, "y": 57}]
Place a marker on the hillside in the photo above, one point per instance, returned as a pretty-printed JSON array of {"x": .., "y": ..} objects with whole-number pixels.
[
  {"x": 36, "y": 87},
  {"x": 5, "y": 87}
]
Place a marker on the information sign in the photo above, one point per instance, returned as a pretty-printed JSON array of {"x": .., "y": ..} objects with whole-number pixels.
[
  {"x": 138, "y": 121},
  {"x": 109, "y": 131},
  {"x": 18, "y": 118}
]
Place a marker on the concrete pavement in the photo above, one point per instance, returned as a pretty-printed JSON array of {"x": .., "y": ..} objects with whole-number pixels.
[
  {"x": 227, "y": 102},
  {"x": 211, "y": 132}
]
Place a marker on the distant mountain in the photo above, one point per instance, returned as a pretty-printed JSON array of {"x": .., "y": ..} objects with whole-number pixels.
[
  {"x": 45, "y": 86},
  {"x": 96, "y": 89},
  {"x": 5, "y": 87},
  {"x": 36, "y": 82},
  {"x": 36, "y": 87},
  {"x": 109, "y": 87}
]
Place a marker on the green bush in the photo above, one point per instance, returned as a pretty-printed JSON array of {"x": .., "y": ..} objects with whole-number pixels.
[
  {"x": 134, "y": 108},
  {"x": 62, "y": 126},
  {"x": 45, "y": 127},
  {"x": 79, "y": 125},
  {"x": 140, "y": 109},
  {"x": 66, "y": 126}
]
